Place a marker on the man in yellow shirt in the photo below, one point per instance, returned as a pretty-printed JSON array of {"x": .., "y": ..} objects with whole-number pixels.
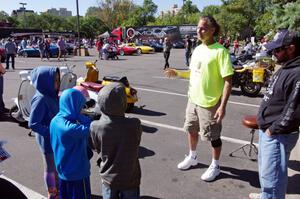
[{"x": 209, "y": 89}]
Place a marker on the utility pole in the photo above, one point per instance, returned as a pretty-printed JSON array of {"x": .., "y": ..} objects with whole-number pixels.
[
  {"x": 78, "y": 29},
  {"x": 23, "y": 9}
]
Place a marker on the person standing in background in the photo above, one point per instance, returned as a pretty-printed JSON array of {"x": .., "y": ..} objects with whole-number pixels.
[
  {"x": 167, "y": 50},
  {"x": 3, "y": 110},
  {"x": 10, "y": 49},
  {"x": 61, "y": 48},
  {"x": 188, "y": 50},
  {"x": 41, "y": 45}
]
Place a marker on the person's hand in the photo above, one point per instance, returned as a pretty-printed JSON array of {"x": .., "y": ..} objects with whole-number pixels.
[
  {"x": 170, "y": 73},
  {"x": 219, "y": 115},
  {"x": 268, "y": 133}
]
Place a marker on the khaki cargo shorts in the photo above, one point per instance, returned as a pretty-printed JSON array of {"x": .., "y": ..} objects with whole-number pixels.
[{"x": 201, "y": 120}]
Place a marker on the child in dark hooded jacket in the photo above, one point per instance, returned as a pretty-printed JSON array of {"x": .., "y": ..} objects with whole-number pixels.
[
  {"x": 116, "y": 138},
  {"x": 69, "y": 132},
  {"x": 44, "y": 106}
]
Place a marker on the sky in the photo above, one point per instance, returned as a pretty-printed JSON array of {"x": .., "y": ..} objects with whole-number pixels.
[{"x": 42, "y": 5}]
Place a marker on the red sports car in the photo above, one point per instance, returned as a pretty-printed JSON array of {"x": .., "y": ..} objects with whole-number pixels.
[{"x": 126, "y": 50}]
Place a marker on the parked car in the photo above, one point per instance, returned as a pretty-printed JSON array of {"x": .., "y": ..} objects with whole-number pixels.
[
  {"x": 69, "y": 48},
  {"x": 33, "y": 51},
  {"x": 141, "y": 48},
  {"x": 158, "y": 47},
  {"x": 126, "y": 50},
  {"x": 2, "y": 53},
  {"x": 178, "y": 44}
]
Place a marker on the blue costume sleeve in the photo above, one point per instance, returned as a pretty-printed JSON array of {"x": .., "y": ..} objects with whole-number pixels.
[
  {"x": 38, "y": 111},
  {"x": 78, "y": 130}
]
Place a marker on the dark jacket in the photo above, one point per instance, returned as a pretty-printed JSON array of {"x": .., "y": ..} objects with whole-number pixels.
[
  {"x": 280, "y": 108},
  {"x": 116, "y": 138}
]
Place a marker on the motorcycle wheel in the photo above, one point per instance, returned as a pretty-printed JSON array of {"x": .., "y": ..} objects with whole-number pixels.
[
  {"x": 251, "y": 89},
  {"x": 129, "y": 107}
]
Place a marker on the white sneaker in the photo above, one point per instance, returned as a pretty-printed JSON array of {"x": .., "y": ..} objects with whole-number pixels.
[
  {"x": 254, "y": 196},
  {"x": 211, "y": 173},
  {"x": 187, "y": 162}
]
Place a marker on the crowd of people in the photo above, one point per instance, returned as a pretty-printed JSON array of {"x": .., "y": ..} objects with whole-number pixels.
[{"x": 66, "y": 137}]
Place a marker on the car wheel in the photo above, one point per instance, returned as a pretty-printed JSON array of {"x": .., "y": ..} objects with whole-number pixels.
[
  {"x": 122, "y": 52},
  {"x": 139, "y": 51}
]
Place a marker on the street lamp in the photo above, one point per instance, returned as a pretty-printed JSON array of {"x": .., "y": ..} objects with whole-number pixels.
[
  {"x": 23, "y": 9},
  {"x": 78, "y": 34}
]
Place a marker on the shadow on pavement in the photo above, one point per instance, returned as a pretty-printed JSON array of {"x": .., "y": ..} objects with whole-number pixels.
[
  {"x": 294, "y": 165},
  {"x": 241, "y": 174},
  {"x": 293, "y": 184},
  {"x": 142, "y": 111},
  {"x": 198, "y": 166},
  {"x": 149, "y": 129},
  {"x": 6, "y": 118},
  {"x": 144, "y": 152}
]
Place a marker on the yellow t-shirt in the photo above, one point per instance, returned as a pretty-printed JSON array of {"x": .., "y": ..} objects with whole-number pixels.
[{"x": 209, "y": 65}]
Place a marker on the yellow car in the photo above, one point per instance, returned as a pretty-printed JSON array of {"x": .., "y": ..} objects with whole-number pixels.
[{"x": 141, "y": 48}]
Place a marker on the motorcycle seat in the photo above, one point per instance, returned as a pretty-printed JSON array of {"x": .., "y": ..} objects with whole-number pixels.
[
  {"x": 123, "y": 79},
  {"x": 250, "y": 121},
  {"x": 92, "y": 86}
]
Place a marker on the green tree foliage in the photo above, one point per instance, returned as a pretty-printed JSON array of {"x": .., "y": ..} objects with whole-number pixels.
[
  {"x": 188, "y": 8},
  {"x": 287, "y": 15},
  {"x": 211, "y": 10},
  {"x": 236, "y": 17}
]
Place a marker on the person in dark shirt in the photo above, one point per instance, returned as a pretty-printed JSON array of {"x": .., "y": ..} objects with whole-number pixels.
[
  {"x": 188, "y": 50},
  {"x": 279, "y": 116},
  {"x": 167, "y": 50}
]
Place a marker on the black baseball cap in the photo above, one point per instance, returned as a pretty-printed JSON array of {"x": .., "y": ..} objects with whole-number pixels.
[{"x": 282, "y": 38}]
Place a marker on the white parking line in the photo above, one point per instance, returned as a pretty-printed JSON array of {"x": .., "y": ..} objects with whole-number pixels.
[
  {"x": 28, "y": 192},
  {"x": 184, "y": 95},
  {"x": 228, "y": 139}
]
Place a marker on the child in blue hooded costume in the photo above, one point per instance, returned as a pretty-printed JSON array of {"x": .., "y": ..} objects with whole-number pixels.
[
  {"x": 44, "y": 106},
  {"x": 69, "y": 132}
]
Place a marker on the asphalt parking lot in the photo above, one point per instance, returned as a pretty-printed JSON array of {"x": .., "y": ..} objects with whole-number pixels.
[{"x": 161, "y": 108}]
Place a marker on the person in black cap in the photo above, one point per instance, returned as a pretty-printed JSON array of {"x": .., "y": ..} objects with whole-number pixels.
[{"x": 279, "y": 116}]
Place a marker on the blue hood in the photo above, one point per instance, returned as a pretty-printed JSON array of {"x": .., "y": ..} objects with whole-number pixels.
[
  {"x": 43, "y": 78},
  {"x": 70, "y": 104}
]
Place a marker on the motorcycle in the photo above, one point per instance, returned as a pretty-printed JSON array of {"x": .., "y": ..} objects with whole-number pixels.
[
  {"x": 21, "y": 110},
  {"x": 92, "y": 83},
  {"x": 250, "y": 78}
]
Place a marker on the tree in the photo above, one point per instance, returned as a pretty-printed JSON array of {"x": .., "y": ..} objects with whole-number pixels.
[
  {"x": 211, "y": 10},
  {"x": 113, "y": 12},
  {"x": 148, "y": 11},
  {"x": 286, "y": 15},
  {"x": 188, "y": 8}
]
